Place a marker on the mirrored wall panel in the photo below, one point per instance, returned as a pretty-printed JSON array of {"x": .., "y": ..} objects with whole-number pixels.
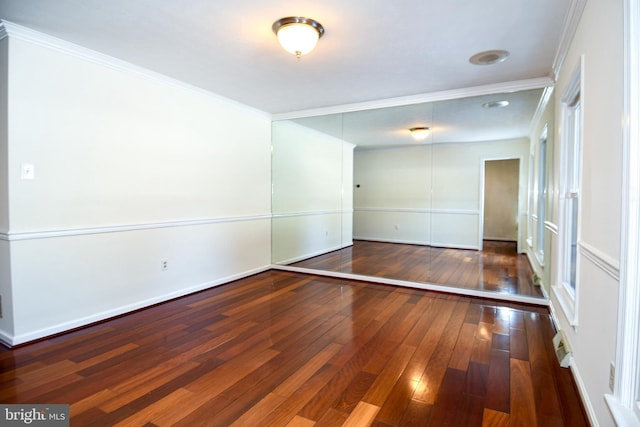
[{"x": 428, "y": 193}]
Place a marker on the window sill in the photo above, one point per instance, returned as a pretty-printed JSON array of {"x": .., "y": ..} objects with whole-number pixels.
[
  {"x": 622, "y": 415},
  {"x": 567, "y": 303}
]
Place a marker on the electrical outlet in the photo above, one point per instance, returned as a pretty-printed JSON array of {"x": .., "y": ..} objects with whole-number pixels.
[
  {"x": 27, "y": 171},
  {"x": 612, "y": 376},
  {"x": 164, "y": 265}
]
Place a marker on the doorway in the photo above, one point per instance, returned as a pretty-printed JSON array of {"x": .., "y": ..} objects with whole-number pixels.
[{"x": 500, "y": 200}]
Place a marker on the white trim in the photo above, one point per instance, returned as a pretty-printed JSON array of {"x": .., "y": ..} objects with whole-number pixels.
[
  {"x": 626, "y": 393},
  {"x": 26, "y": 34},
  {"x": 311, "y": 213},
  {"x": 584, "y": 394},
  {"x": 542, "y": 105},
  {"x": 622, "y": 415},
  {"x": 417, "y": 242},
  {"x": 490, "y": 89},
  {"x": 551, "y": 227},
  {"x": 601, "y": 260},
  {"x": 314, "y": 254},
  {"x": 567, "y": 303},
  {"x": 520, "y": 236},
  {"x": 569, "y": 297},
  {"x": 426, "y": 286},
  {"x": 45, "y": 234},
  {"x": 582, "y": 389},
  {"x": 105, "y": 315},
  {"x": 421, "y": 211},
  {"x": 571, "y": 21}
]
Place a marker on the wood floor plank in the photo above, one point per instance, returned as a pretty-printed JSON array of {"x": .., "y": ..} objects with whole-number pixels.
[
  {"x": 416, "y": 414},
  {"x": 523, "y": 406},
  {"x": 300, "y": 422},
  {"x": 302, "y": 375},
  {"x": 362, "y": 415},
  {"x": 499, "y": 382},
  {"x": 445, "y": 409},
  {"x": 437, "y": 366},
  {"x": 282, "y": 348},
  {"x": 259, "y": 411},
  {"x": 493, "y": 418},
  {"x": 462, "y": 351},
  {"x": 471, "y": 411},
  {"x": 547, "y": 404},
  {"x": 387, "y": 378}
]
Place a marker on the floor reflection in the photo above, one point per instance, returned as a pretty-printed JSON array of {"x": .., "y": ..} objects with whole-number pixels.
[{"x": 497, "y": 268}]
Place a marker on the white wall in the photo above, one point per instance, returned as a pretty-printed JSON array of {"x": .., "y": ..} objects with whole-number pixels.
[
  {"x": 430, "y": 194},
  {"x": 6, "y": 320},
  {"x": 130, "y": 170},
  {"x": 392, "y": 200},
  {"x": 312, "y": 196},
  {"x": 594, "y": 338}
]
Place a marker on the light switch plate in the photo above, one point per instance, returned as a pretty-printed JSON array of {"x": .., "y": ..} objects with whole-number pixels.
[{"x": 27, "y": 171}]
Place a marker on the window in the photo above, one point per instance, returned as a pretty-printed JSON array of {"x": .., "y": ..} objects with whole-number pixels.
[
  {"x": 569, "y": 198},
  {"x": 571, "y": 190},
  {"x": 542, "y": 195},
  {"x": 531, "y": 215}
]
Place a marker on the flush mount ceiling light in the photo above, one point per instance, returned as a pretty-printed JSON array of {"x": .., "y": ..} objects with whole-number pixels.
[
  {"x": 419, "y": 133},
  {"x": 489, "y": 57},
  {"x": 298, "y": 35},
  {"x": 495, "y": 104}
]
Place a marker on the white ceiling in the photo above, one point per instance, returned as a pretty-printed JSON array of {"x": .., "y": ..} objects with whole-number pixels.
[
  {"x": 450, "y": 121},
  {"x": 372, "y": 49}
]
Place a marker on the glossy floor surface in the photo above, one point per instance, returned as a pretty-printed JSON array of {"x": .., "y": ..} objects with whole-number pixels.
[
  {"x": 497, "y": 268},
  {"x": 288, "y": 349}
]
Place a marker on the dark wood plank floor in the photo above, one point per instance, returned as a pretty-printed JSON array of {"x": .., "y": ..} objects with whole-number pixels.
[
  {"x": 497, "y": 268},
  {"x": 288, "y": 349}
]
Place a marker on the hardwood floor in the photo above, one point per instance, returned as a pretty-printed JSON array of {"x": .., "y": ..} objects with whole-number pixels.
[
  {"x": 497, "y": 268},
  {"x": 288, "y": 349}
]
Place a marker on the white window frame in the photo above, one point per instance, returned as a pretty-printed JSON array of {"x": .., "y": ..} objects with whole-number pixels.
[
  {"x": 570, "y": 183},
  {"x": 625, "y": 400},
  {"x": 541, "y": 195},
  {"x": 532, "y": 214}
]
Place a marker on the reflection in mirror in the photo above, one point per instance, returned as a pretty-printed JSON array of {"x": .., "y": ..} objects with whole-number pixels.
[{"x": 433, "y": 211}]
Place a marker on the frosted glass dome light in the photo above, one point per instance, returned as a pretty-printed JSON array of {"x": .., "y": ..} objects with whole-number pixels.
[
  {"x": 298, "y": 35},
  {"x": 419, "y": 133}
]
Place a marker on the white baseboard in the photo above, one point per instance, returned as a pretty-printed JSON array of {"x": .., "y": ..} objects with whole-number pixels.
[
  {"x": 417, "y": 242},
  {"x": 582, "y": 390},
  {"x": 314, "y": 254},
  {"x": 584, "y": 396},
  {"x": 11, "y": 341}
]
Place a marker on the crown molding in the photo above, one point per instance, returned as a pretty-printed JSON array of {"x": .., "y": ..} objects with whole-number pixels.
[
  {"x": 11, "y": 30},
  {"x": 3, "y": 30},
  {"x": 542, "y": 105},
  {"x": 506, "y": 87},
  {"x": 571, "y": 21}
]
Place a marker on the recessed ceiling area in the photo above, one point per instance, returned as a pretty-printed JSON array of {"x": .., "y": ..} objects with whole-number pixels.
[{"x": 369, "y": 51}]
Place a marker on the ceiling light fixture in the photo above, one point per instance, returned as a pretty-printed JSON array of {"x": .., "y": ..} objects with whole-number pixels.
[
  {"x": 495, "y": 104},
  {"x": 298, "y": 35},
  {"x": 419, "y": 133},
  {"x": 489, "y": 57}
]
